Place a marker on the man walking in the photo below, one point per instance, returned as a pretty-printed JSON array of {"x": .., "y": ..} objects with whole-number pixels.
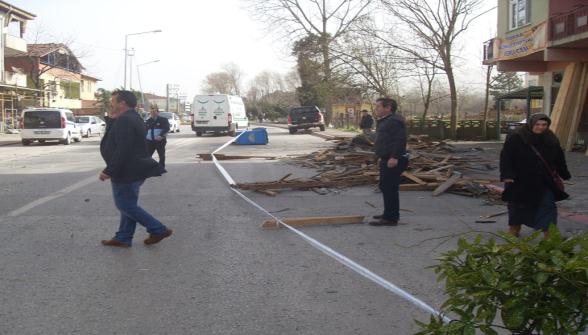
[
  {"x": 366, "y": 123},
  {"x": 391, "y": 152},
  {"x": 124, "y": 150},
  {"x": 157, "y": 129}
]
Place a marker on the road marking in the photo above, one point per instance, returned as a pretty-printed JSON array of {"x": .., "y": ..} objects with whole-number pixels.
[
  {"x": 361, "y": 270},
  {"x": 53, "y": 196}
]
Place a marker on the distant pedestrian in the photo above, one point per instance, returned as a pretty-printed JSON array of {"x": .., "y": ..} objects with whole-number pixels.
[
  {"x": 128, "y": 164},
  {"x": 390, "y": 148},
  {"x": 366, "y": 123},
  {"x": 157, "y": 129},
  {"x": 531, "y": 165}
]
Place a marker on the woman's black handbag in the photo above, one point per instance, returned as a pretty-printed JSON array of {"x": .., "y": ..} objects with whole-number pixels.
[{"x": 559, "y": 184}]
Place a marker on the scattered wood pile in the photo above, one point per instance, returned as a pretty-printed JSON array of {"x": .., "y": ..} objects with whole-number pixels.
[{"x": 434, "y": 166}]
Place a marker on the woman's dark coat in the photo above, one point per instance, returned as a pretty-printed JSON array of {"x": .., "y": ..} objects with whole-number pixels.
[
  {"x": 124, "y": 149},
  {"x": 519, "y": 162}
]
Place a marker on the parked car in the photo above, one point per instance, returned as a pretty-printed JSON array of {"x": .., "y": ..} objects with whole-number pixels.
[
  {"x": 174, "y": 121},
  {"x": 49, "y": 124},
  {"x": 90, "y": 125},
  {"x": 305, "y": 117}
]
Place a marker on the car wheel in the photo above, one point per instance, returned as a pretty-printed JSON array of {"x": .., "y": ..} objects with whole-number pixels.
[
  {"x": 322, "y": 128},
  {"x": 67, "y": 140},
  {"x": 88, "y": 133},
  {"x": 292, "y": 130},
  {"x": 79, "y": 138},
  {"x": 198, "y": 133},
  {"x": 41, "y": 141},
  {"x": 26, "y": 142}
]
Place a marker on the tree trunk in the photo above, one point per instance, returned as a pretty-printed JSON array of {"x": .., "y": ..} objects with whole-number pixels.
[
  {"x": 453, "y": 93},
  {"x": 486, "y": 101}
]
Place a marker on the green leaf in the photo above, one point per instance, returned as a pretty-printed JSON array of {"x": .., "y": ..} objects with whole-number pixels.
[{"x": 541, "y": 277}]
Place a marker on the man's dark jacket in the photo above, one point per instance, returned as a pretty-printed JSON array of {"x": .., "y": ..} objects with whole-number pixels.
[
  {"x": 519, "y": 162},
  {"x": 158, "y": 123},
  {"x": 124, "y": 150},
  {"x": 367, "y": 122},
  {"x": 391, "y": 137}
]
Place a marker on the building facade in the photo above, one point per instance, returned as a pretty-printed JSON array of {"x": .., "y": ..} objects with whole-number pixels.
[
  {"x": 13, "y": 82},
  {"x": 548, "y": 38}
]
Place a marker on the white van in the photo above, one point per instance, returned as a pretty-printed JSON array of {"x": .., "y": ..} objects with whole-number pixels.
[
  {"x": 218, "y": 113},
  {"x": 49, "y": 124}
]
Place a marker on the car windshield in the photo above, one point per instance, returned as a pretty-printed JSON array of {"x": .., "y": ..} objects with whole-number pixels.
[
  {"x": 303, "y": 111},
  {"x": 82, "y": 119},
  {"x": 167, "y": 115}
]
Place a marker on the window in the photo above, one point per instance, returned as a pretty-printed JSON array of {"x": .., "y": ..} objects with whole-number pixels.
[{"x": 518, "y": 13}]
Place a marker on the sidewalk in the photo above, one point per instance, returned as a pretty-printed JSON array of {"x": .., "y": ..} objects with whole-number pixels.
[{"x": 8, "y": 139}]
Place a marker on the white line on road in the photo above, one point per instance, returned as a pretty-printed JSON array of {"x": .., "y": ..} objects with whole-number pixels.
[
  {"x": 54, "y": 195},
  {"x": 363, "y": 271}
]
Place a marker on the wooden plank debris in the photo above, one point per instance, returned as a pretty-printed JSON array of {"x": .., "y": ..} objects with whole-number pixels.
[
  {"x": 351, "y": 162},
  {"x": 447, "y": 184},
  {"x": 314, "y": 220}
]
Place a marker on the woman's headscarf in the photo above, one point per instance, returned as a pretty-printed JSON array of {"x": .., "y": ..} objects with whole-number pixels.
[{"x": 538, "y": 117}]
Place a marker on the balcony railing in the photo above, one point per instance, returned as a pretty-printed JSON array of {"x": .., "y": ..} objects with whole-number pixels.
[
  {"x": 568, "y": 24},
  {"x": 14, "y": 45},
  {"x": 489, "y": 50}
]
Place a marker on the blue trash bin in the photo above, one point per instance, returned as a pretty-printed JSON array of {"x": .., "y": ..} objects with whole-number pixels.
[{"x": 254, "y": 136}]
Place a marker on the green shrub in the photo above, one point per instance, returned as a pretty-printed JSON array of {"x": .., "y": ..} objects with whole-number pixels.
[{"x": 522, "y": 285}]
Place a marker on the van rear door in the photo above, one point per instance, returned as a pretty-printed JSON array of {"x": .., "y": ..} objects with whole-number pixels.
[{"x": 41, "y": 119}]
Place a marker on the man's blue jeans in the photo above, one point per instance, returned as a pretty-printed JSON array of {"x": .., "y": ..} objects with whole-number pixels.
[{"x": 126, "y": 196}]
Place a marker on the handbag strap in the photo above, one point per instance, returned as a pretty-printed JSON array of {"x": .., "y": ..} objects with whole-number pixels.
[{"x": 549, "y": 169}]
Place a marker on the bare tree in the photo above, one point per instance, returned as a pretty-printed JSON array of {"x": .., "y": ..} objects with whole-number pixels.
[
  {"x": 436, "y": 25},
  {"x": 489, "y": 83},
  {"x": 235, "y": 74},
  {"x": 371, "y": 65},
  {"x": 427, "y": 75},
  {"x": 217, "y": 83},
  {"x": 328, "y": 20}
]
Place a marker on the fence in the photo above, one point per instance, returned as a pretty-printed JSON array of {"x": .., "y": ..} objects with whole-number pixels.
[{"x": 466, "y": 130}]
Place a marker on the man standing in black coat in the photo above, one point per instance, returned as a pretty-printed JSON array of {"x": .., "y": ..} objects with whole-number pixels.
[
  {"x": 157, "y": 129},
  {"x": 124, "y": 150},
  {"x": 367, "y": 122},
  {"x": 391, "y": 152}
]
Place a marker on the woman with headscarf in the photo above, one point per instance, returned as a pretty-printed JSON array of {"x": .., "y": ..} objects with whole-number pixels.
[{"x": 531, "y": 161}]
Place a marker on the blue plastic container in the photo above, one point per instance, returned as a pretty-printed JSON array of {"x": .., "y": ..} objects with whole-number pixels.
[{"x": 253, "y": 137}]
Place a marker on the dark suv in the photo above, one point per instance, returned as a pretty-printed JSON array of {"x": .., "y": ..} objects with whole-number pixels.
[{"x": 305, "y": 117}]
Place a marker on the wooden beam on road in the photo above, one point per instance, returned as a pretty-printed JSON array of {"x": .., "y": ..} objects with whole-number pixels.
[
  {"x": 314, "y": 221},
  {"x": 447, "y": 184}
]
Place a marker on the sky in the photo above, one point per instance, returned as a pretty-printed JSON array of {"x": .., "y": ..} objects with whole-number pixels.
[{"x": 197, "y": 38}]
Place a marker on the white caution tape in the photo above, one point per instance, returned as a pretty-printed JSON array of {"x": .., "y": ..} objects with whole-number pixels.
[{"x": 327, "y": 250}]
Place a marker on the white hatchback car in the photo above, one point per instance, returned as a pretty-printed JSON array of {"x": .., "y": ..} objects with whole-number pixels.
[
  {"x": 174, "y": 121},
  {"x": 49, "y": 124},
  {"x": 90, "y": 125}
]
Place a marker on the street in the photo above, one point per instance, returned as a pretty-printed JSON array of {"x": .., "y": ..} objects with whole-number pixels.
[{"x": 220, "y": 273}]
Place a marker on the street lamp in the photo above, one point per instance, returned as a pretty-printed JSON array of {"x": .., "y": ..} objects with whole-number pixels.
[
  {"x": 139, "y": 77},
  {"x": 126, "y": 49}
]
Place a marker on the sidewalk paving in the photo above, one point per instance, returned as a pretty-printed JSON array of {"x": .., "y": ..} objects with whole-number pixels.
[{"x": 8, "y": 139}]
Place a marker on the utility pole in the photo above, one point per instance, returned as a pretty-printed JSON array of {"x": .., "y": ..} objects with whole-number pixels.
[{"x": 167, "y": 97}]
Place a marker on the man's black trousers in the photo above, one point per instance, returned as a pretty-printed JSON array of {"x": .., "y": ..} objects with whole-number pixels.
[
  {"x": 389, "y": 184},
  {"x": 160, "y": 147}
]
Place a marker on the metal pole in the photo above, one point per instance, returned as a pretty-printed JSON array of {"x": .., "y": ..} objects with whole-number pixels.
[
  {"x": 498, "y": 107},
  {"x": 141, "y": 88},
  {"x": 126, "y": 51},
  {"x": 167, "y": 97},
  {"x": 131, "y": 71}
]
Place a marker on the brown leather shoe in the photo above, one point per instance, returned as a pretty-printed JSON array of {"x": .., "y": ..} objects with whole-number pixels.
[
  {"x": 383, "y": 222},
  {"x": 115, "y": 243},
  {"x": 152, "y": 239}
]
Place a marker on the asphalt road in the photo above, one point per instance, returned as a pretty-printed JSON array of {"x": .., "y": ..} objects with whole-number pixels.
[{"x": 220, "y": 273}]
